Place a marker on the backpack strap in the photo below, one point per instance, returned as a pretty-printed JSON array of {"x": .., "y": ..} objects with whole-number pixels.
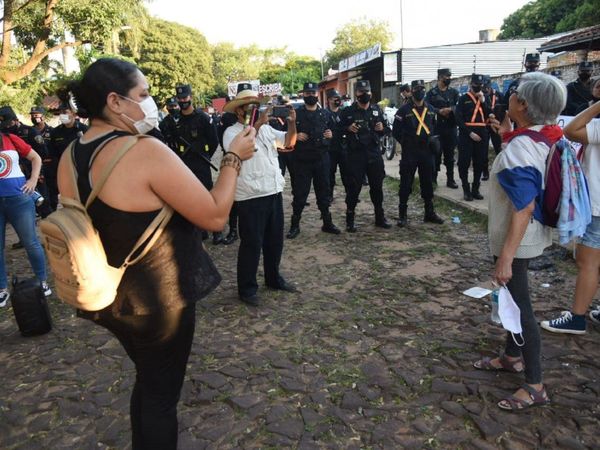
[
  {"x": 109, "y": 166},
  {"x": 151, "y": 234}
]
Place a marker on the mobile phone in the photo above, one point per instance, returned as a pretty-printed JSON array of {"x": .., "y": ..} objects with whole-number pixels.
[
  {"x": 280, "y": 111},
  {"x": 251, "y": 116}
]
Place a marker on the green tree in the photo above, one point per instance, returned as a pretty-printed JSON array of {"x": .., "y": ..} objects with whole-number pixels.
[
  {"x": 172, "y": 54},
  {"x": 545, "y": 17},
  {"x": 293, "y": 74},
  {"x": 41, "y": 27},
  {"x": 358, "y": 35}
]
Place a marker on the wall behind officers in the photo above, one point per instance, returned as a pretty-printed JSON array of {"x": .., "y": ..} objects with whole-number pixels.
[
  {"x": 311, "y": 160},
  {"x": 579, "y": 92},
  {"x": 70, "y": 128},
  {"x": 365, "y": 125},
  {"x": 471, "y": 114},
  {"x": 413, "y": 127},
  {"x": 444, "y": 98},
  {"x": 196, "y": 140}
]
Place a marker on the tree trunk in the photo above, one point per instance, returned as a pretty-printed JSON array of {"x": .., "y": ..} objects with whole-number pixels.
[{"x": 7, "y": 26}]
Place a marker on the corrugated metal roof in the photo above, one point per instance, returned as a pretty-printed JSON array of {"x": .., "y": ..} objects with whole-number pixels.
[{"x": 489, "y": 58}]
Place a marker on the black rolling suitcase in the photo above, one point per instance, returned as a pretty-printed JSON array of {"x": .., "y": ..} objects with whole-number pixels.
[{"x": 30, "y": 307}]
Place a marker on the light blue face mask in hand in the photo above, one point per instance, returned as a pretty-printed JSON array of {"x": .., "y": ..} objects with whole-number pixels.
[{"x": 510, "y": 314}]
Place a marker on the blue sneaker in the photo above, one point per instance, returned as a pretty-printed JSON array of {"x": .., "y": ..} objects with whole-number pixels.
[{"x": 566, "y": 323}]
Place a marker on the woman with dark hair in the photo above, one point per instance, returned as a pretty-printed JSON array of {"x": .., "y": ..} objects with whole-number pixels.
[
  {"x": 17, "y": 206},
  {"x": 153, "y": 314}
]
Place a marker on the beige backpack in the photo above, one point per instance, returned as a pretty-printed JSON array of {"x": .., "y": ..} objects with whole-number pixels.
[{"x": 82, "y": 275}]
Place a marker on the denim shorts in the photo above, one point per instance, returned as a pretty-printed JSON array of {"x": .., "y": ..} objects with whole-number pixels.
[{"x": 591, "y": 238}]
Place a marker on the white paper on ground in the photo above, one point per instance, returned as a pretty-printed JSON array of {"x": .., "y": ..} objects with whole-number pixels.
[{"x": 477, "y": 292}]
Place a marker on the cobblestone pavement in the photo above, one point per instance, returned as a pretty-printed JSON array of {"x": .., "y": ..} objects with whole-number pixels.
[{"x": 376, "y": 352}]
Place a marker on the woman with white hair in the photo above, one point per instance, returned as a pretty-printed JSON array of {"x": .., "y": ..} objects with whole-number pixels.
[{"x": 515, "y": 227}]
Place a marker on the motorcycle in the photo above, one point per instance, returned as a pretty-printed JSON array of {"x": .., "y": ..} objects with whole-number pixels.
[{"x": 387, "y": 144}]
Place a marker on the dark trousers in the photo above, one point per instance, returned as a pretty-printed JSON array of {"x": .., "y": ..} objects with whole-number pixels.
[
  {"x": 52, "y": 185},
  {"x": 496, "y": 141},
  {"x": 337, "y": 158},
  {"x": 471, "y": 151},
  {"x": 261, "y": 229},
  {"x": 359, "y": 164},
  {"x": 531, "y": 351},
  {"x": 447, "y": 144},
  {"x": 286, "y": 161},
  {"x": 414, "y": 158},
  {"x": 159, "y": 345},
  {"x": 307, "y": 172},
  {"x": 233, "y": 217}
]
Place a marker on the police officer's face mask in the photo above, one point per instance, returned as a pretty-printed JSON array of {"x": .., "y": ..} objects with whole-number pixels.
[
  {"x": 150, "y": 111},
  {"x": 419, "y": 94},
  {"x": 311, "y": 100},
  {"x": 476, "y": 88},
  {"x": 184, "y": 105},
  {"x": 64, "y": 118},
  {"x": 174, "y": 112},
  {"x": 584, "y": 76},
  {"x": 36, "y": 119},
  {"x": 337, "y": 102},
  {"x": 447, "y": 81},
  {"x": 364, "y": 98}
]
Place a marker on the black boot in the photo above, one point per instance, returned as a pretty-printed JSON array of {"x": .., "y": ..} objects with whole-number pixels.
[
  {"x": 217, "y": 238},
  {"x": 430, "y": 215},
  {"x": 485, "y": 175},
  {"x": 402, "y": 216},
  {"x": 350, "y": 227},
  {"x": 294, "y": 227},
  {"x": 231, "y": 237},
  {"x": 467, "y": 192},
  {"x": 328, "y": 226},
  {"x": 475, "y": 192},
  {"x": 380, "y": 220},
  {"x": 450, "y": 180}
]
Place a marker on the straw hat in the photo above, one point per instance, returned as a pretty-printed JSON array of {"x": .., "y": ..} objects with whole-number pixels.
[{"x": 245, "y": 96}]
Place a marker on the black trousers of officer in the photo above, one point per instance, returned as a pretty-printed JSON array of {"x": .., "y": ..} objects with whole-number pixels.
[
  {"x": 361, "y": 162},
  {"x": 307, "y": 171},
  {"x": 448, "y": 144},
  {"x": 286, "y": 161},
  {"x": 337, "y": 158},
  {"x": 496, "y": 141},
  {"x": 260, "y": 229},
  {"x": 471, "y": 151},
  {"x": 415, "y": 156}
]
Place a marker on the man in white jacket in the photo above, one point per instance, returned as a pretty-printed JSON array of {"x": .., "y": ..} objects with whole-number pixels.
[{"x": 259, "y": 196}]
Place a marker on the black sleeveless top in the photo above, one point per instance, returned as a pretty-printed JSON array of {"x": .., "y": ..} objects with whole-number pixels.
[{"x": 176, "y": 271}]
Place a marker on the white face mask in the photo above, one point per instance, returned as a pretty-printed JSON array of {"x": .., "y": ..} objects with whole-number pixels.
[
  {"x": 509, "y": 313},
  {"x": 64, "y": 118},
  {"x": 150, "y": 120}
]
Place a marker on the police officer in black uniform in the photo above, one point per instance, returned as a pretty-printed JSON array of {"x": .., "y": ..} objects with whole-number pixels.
[
  {"x": 311, "y": 160},
  {"x": 405, "y": 94},
  {"x": 579, "y": 92},
  {"x": 413, "y": 126},
  {"x": 337, "y": 151},
  {"x": 532, "y": 64},
  {"x": 196, "y": 139},
  {"x": 168, "y": 126},
  {"x": 472, "y": 113},
  {"x": 494, "y": 100},
  {"x": 444, "y": 99},
  {"x": 70, "y": 128},
  {"x": 364, "y": 125},
  {"x": 32, "y": 136},
  {"x": 36, "y": 114}
]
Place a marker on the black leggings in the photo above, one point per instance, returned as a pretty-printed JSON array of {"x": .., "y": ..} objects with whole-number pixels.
[
  {"x": 531, "y": 351},
  {"x": 159, "y": 345}
]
